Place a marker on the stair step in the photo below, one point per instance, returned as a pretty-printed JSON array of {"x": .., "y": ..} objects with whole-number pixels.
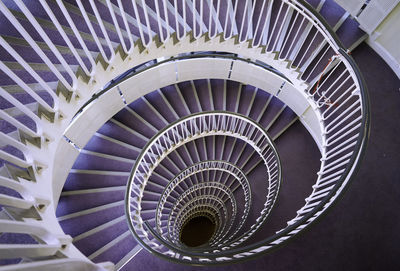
[
  {"x": 128, "y": 257},
  {"x": 92, "y": 162},
  {"x": 284, "y": 119},
  {"x": 174, "y": 95},
  {"x": 332, "y": 12},
  {"x": 164, "y": 109},
  {"x": 116, "y": 249},
  {"x": 202, "y": 91},
  {"x": 190, "y": 96},
  {"x": 122, "y": 133},
  {"x": 109, "y": 145},
  {"x": 77, "y": 181},
  {"x": 350, "y": 33},
  {"x": 95, "y": 241},
  {"x": 80, "y": 222},
  {"x": 77, "y": 203}
]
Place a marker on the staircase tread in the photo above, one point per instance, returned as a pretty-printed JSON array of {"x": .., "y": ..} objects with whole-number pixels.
[{"x": 95, "y": 241}]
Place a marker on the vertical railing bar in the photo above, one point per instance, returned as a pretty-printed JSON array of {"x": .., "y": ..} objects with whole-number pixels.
[
  {"x": 166, "y": 20},
  {"x": 219, "y": 123},
  {"x": 267, "y": 22},
  {"x": 234, "y": 30},
  {"x": 92, "y": 31},
  {"x": 202, "y": 26},
  {"x": 275, "y": 24},
  {"x": 160, "y": 29},
  {"x": 339, "y": 78},
  {"x": 44, "y": 36},
  {"x": 11, "y": 99},
  {"x": 226, "y": 19},
  {"x": 65, "y": 37},
  {"x": 197, "y": 17},
  {"x": 23, "y": 85},
  {"x": 210, "y": 95},
  {"x": 308, "y": 48},
  {"x": 244, "y": 15},
  {"x": 258, "y": 23},
  {"x": 36, "y": 48},
  {"x": 139, "y": 23},
  {"x": 194, "y": 15},
  {"x": 329, "y": 141},
  {"x": 8, "y": 140},
  {"x": 289, "y": 33},
  {"x": 14, "y": 160},
  {"x": 214, "y": 18},
  {"x": 19, "y": 125},
  {"x": 128, "y": 29},
  {"x": 338, "y": 105},
  {"x": 316, "y": 64},
  {"x": 29, "y": 69},
  {"x": 295, "y": 36},
  {"x": 146, "y": 17},
  {"x": 77, "y": 35},
  {"x": 288, "y": 9},
  {"x": 116, "y": 25},
  {"x": 250, "y": 14},
  {"x": 176, "y": 20}
]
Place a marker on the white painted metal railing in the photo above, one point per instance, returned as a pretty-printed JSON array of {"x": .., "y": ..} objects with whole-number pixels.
[
  {"x": 180, "y": 133},
  {"x": 176, "y": 186},
  {"x": 336, "y": 94}
]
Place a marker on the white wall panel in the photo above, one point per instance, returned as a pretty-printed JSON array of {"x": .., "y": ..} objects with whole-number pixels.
[
  {"x": 256, "y": 76},
  {"x": 94, "y": 116},
  {"x": 64, "y": 159},
  {"x": 148, "y": 81},
  {"x": 374, "y": 13},
  {"x": 294, "y": 99},
  {"x": 312, "y": 123},
  {"x": 203, "y": 68}
]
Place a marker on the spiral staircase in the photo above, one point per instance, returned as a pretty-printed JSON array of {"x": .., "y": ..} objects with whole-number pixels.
[{"x": 122, "y": 122}]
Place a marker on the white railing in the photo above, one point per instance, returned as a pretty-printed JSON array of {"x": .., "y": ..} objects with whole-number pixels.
[
  {"x": 336, "y": 93},
  {"x": 179, "y": 133},
  {"x": 176, "y": 184}
]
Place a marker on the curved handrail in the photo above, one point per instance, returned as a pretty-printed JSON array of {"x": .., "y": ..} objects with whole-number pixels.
[
  {"x": 361, "y": 145},
  {"x": 333, "y": 194},
  {"x": 152, "y": 64},
  {"x": 209, "y": 165},
  {"x": 265, "y": 140}
]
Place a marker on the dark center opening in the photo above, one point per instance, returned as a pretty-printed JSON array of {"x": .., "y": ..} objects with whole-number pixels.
[{"x": 197, "y": 231}]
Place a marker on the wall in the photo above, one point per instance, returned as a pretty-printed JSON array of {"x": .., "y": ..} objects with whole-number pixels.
[{"x": 385, "y": 40}]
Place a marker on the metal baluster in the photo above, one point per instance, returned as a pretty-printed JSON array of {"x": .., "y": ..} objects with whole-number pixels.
[
  {"x": 246, "y": 7},
  {"x": 36, "y": 47},
  {"x": 94, "y": 34},
  {"x": 24, "y": 86},
  {"x": 67, "y": 40},
  {"x": 128, "y": 29},
  {"x": 32, "y": 72}
]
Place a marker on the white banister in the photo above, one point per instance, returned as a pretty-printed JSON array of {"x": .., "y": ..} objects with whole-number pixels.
[{"x": 34, "y": 45}]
